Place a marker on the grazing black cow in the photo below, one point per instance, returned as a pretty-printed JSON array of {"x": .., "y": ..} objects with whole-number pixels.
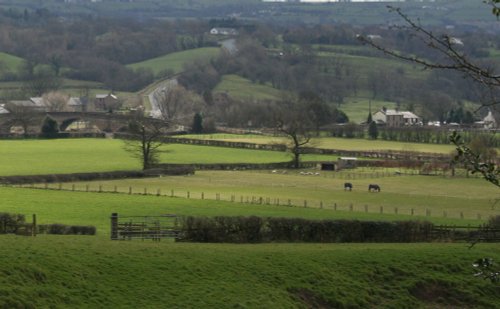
[
  {"x": 374, "y": 188},
  {"x": 347, "y": 186}
]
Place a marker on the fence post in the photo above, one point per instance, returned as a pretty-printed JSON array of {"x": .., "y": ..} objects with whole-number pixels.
[
  {"x": 396, "y": 210},
  {"x": 260, "y": 200},
  {"x": 188, "y": 194},
  {"x": 114, "y": 226},
  {"x": 100, "y": 188},
  {"x": 203, "y": 196},
  {"x": 289, "y": 202},
  {"x": 335, "y": 206},
  {"x": 461, "y": 215},
  {"x": 412, "y": 211},
  {"x": 130, "y": 190},
  {"x": 381, "y": 209},
  {"x": 33, "y": 226}
]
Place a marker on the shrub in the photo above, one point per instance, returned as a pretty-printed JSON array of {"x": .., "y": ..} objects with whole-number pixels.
[
  {"x": 62, "y": 229},
  {"x": 9, "y": 223},
  {"x": 494, "y": 222},
  {"x": 255, "y": 229}
]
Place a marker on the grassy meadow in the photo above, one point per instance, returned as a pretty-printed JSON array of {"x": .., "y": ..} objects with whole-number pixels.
[
  {"x": 50, "y": 271},
  {"x": 31, "y": 157},
  {"x": 176, "y": 61},
  {"x": 443, "y": 197},
  {"x": 334, "y": 143}
]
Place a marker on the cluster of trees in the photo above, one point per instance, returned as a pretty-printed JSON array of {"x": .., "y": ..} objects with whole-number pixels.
[{"x": 93, "y": 48}]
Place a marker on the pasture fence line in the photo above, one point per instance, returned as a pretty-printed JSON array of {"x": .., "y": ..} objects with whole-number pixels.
[{"x": 258, "y": 200}]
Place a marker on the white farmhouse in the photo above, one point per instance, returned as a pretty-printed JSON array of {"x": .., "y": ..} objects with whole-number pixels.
[{"x": 396, "y": 118}]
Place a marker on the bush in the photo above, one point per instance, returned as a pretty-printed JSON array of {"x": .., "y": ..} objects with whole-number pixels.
[
  {"x": 494, "y": 222},
  {"x": 255, "y": 229},
  {"x": 9, "y": 223},
  {"x": 62, "y": 229}
]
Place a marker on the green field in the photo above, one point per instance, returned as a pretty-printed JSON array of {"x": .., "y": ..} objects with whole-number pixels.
[
  {"x": 242, "y": 88},
  {"x": 176, "y": 61},
  {"x": 51, "y": 271},
  {"x": 90, "y": 272},
  {"x": 31, "y": 157},
  {"x": 443, "y": 197},
  {"x": 334, "y": 143}
]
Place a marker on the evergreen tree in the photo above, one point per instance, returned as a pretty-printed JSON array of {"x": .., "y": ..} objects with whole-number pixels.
[
  {"x": 373, "y": 130},
  {"x": 197, "y": 124},
  {"x": 50, "y": 127},
  {"x": 369, "y": 119}
]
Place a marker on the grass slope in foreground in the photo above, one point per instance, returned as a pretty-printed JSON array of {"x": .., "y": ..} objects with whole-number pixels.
[{"x": 85, "y": 272}]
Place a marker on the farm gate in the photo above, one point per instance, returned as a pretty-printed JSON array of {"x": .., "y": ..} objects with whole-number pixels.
[{"x": 144, "y": 227}]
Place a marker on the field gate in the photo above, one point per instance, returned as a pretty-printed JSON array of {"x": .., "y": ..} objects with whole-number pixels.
[{"x": 144, "y": 227}]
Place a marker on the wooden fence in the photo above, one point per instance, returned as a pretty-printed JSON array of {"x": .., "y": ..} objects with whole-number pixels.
[
  {"x": 272, "y": 201},
  {"x": 144, "y": 227}
]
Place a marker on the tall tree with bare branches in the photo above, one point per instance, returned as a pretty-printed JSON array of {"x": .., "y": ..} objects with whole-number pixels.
[{"x": 144, "y": 139}]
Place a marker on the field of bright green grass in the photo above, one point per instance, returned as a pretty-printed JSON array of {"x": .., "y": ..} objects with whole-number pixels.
[
  {"x": 242, "y": 88},
  {"x": 334, "y": 143},
  {"x": 441, "y": 196},
  {"x": 90, "y": 272},
  {"x": 93, "y": 208},
  {"x": 176, "y": 61},
  {"x": 31, "y": 157}
]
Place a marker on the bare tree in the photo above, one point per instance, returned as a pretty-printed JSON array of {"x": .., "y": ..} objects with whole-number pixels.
[
  {"x": 56, "y": 101},
  {"x": 449, "y": 53},
  {"x": 292, "y": 120},
  {"x": 144, "y": 139},
  {"x": 176, "y": 103},
  {"x": 24, "y": 116}
]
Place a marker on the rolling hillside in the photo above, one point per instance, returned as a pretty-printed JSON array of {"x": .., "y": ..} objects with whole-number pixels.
[{"x": 174, "y": 62}]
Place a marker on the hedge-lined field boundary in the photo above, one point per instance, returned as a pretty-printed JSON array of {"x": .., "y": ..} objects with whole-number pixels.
[{"x": 59, "y": 178}]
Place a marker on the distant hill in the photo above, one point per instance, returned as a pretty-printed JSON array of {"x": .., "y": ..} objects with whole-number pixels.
[
  {"x": 174, "y": 62},
  {"x": 9, "y": 63}
]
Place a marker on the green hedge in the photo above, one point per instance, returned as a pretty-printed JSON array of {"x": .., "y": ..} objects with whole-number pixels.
[
  {"x": 16, "y": 224},
  {"x": 55, "y": 178},
  {"x": 256, "y": 230}
]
